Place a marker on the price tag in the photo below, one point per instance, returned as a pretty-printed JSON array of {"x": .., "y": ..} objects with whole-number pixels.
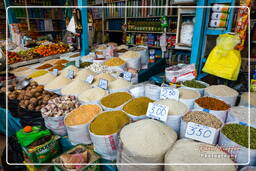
[
  {"x": 55, "y": 72},
  {"x": 103, "y": 84},
  {"x": 70, "y": 74},
  {"x": 77, "y": 63},
  {"x": 127, "y": 76},
  {"x": 157, "y": 111},
  {"x": 169, "y": 93},
  {"x": 89, "y": 79},
  {"x": 200, "y": 132}
]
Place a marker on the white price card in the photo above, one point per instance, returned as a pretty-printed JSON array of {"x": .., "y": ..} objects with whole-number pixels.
[
  {"x": 77, "y": 62},
  {"x": 157, "y": 111},
  {"x": 70, "y": 74},
  {"x": 169, "y": 93},
  {"x": 55, "y": 72},
  {"x": 127, "y": 76},
  {"x": 89, "y": 79},
  {"x": 200, "y": 132},
  {"x": 103, "y": 84}
]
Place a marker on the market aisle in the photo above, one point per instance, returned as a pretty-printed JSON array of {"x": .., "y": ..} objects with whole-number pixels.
[{"x": 2, "y": 145}]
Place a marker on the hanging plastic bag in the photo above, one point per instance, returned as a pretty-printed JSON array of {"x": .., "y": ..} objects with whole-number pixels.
[{"x": 224, "y": 61}]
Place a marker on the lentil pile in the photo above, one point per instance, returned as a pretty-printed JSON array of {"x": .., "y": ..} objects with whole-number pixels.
[
  {"x": 138, "y": 106},
  {"x": 108, "y": 123},
  {"x": 82, "y": 115},
  {"x": 194, "y": 84},
  {"x": 114, "y": 62},
  {"x": 212, "y": 103},
  {"x": 115, "y": 99},
  {"x": 202, "y": 118},
  {"x": 239, "y": 134}
]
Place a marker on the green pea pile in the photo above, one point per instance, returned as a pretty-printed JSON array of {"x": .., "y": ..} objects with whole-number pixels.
[{"x": 193, "y": 84}]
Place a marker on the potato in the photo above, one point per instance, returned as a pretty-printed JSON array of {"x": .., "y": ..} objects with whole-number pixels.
[
  {"x": 40, "y": 88},
  {"x": 26, "y": 102},
  {"x": 38, "y": 108},
  {"x": 11, "y": 96},
  {"x": 46, "y": 98},
  {"x": 33, "y": 100},
  {"x": 26, "y": 97},
  {"x": 31, "y": 107},
  {"x": 37, "y": 94}
]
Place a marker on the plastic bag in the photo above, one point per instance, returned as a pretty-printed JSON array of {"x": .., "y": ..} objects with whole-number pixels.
[
  {"x": 224, "y": 61},
  {"x": 180, "y": 73}
]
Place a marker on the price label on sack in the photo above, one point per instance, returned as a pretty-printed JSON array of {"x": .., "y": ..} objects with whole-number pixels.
[
  {"x": 127, "y": 76},
  {"x": 103, "y": 84},
  {"x": 157, "y": 111},
  {"x": 200, "y": 132},
  {"x": 55, "y": 72},
  {"x": 169, "y": 93},
  {"x": 77, "y": 62},
  {"x": 89, "y": 79},
  {"x": 70, "y": 74}
]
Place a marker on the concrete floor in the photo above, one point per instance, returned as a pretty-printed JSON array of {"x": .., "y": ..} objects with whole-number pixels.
[{"x": 2, "y": 145}]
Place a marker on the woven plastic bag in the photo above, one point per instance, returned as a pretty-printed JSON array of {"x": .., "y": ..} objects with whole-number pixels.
[{"x": 224, "y": 61}]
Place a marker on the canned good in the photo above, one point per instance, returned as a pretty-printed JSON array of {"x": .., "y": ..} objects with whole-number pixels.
[
  {"x": 219, "y": 16},
  {"x": 218, "y": 23},
  {"x": 220, "y": 8}
]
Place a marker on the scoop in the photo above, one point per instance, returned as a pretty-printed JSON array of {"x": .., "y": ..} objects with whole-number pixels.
[{"x": 23, "y": 84}]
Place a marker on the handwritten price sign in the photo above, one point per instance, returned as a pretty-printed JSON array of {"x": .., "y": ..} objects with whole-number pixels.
[
  {"x": 157, "y": 111},
  {"x": 103, "y": 84},
  {"x": 89, "y": 79},
  {"x": 55, "y": 72},
  {"x": 169, "y": 93},
  {"x": 70, "y": 74},
  {"x": 200, "y": 132},
  {"x": 127, "y": 76}
]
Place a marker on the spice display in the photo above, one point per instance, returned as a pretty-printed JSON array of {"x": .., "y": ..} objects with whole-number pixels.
[
  {"x": 44, "y": 66},
  {"x": 51, "y": 61},
  {"x": 138, "y": 140},
  {"x": 138, "y": 106},
  {"x": 20, "y": 69},
  {"x": 33, "y": 98},
  {"x": 84, "y": 73},
  {"x": 114, "y": 62},
  {"x": 212, "y": 103},
  {"x": 119, "y": 84},
  {"x": 82, "y": 115},
  {"x": 74, "y": 88},
  {"x": 60, "y": 106},
  {"x": 44, "y": 79},
  {"x": 58, "y": 83},
  {"x": 202, "y": 118},
  {"x": 24, "y": 73},
  {"x": 242, "y": 114},
  {"x": 115, "y": 99},
  {"x": 51, "y": 49},
  {"x": 108, "y": 123},
  {"x": 175, "y": 107},
  {"x": 194, "y": 84},
  {"x": 37, "y": 73},
  {"x": 98, "y": 68},
  {"x": 188, "y": 94},
  {"x": 104, "y": 76},
  {"x": 65, "y": 71},
  {"x": 221, "y": 90},
  {"x": 189, "y": 151},
  {"x": 239, "y": 134},
  {"x": 60, "y": 62},
  {"x": 93, "y": 94},
  {"x": 58, "y": 67}
]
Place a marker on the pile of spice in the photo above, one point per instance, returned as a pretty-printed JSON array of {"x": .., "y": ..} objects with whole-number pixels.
[
  {"x": 138, "y": 106},
  {"x": 212, "y": 103},
  {"x": 98, "y": 68},
  {"x": 44, "y": 66},
  {"x": 61, "y": 61},
  {"x": 114, "y": 62},
  {"x": 37, "y": 73},
  {"x": 82, "y": 115},
  {"x": 24, "y": 73},
  {"x": 44, "y": 79},
  {"x": 119, "y": 84},
  {"x": 84, "y": 73},
  {"x": 175, "y": 107},
  {"x": 104, "y": 76},
  {"x": 58, "y": 67},
  {"x": 188, "y": 94},
  {"x": 239, "y": 134},
  {"x": 108, "y": 123},
  {"x": 58, "y": 83},
  {"x": 65, "y": 71},
  {"x": 60, "y": 106},
  {"x": 75, "y": 88},
  {"x": 115, "y": 99},
  {"x": 20, "y": 69},
  {"x": 202, "y": 118},
  {"x": 92, "y": 94},
  {"x": 193, "y": 84},
  {"x": 189, "y": 151},
  {"x": 221, "y": 90}
]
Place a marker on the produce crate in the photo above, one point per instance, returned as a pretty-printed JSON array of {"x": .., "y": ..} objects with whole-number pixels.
[{"x": 94, "y": 158}]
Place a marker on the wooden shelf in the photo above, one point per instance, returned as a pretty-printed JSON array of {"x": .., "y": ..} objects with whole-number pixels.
[
  {"x": 151, "y": 32},
  {"x": 114, "y": 31},
  {"x": 115, "y": 18},
  {"x": 169, "y": 16},
  {"x": 114, "y": 2}
]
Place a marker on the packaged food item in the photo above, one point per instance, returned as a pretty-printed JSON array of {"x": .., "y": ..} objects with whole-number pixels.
[
  {"x": 218, "y": 23},
  {"x": 219, "y": 16},
  {"x": 223, "y": 8}
]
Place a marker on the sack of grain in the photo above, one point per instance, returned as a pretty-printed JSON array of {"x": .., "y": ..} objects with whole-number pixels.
[
  {"x": 137, "y": 90},
  {"x": 104, "y": 131},
  {"x": 143, "y": 50},
  {"x": 56, "y": 125},
  {"x": 196, "y": 85},
  {"x": 203, "y": 118},
  {"x": 187, "y": 152},
  {"x": 222, "y": 92},
  {"x": 104, "y": 76},
  {"x": 240, "y": 114},
  {"x": 188, "y": 97},
  {"x": 152, "y": 91},
  {"x": 144, "y": 141},
  {"x": 244, "y": 101},
  {"x": 77, "y": 122},
  {"x": 213, "y": 106},
  {"x": 235, "y": 137},
  {"x": 83, "y": 74},
  {"x": 75, "y": 88},
  {"x": 132, "y": 59},
  {"x": 90, "y": 97},
  {"x": 43, "y": 80},
  {"x": 65, "y": 71},
  {"x": 116, "y": 64},
  {"x": 119, "y": 85},
  {"x": 176, "y": 111},
  {"x": 57, "y": 84}
]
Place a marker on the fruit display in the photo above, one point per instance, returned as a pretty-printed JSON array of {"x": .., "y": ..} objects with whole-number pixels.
[
  {"x": 51, "y": 49},
  {"x": 13, "y": 57},
  {"x": 26, "y": 55}
]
